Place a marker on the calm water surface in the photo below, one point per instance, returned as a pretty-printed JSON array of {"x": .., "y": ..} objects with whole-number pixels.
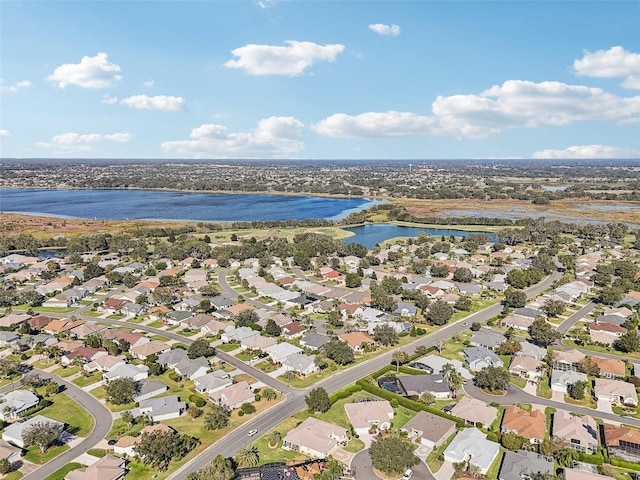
[{"x": 162, "y": 205}]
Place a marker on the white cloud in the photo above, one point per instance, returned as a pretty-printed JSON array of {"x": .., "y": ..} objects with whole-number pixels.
[
  {"x": 72, "y": 138},
  {"x": 149, "y": 83},
  {"x": 615, "y": 62},
  {"x": 266, "y": 3},
  {"x": 387, "y": 30},
  {"x": 108, "y": 99},
  {"x": 92, "y": 72},
  {"x": 274, "y": 137},
  {"x": 291, "y": 60},
  {"x": 4, "y": 133},
  {"x": 375, "y": 125},
  {"x": 514, "y": 104},
  {"x": 159, "y": 102},
  {"x": 588, "y": 151},
  {"x": 16, "y": 87}
]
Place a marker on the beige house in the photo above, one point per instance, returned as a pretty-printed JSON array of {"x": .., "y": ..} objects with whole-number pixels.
[
  {"x": 616, "y": 391},
  {"x": 365, "y": 415},
  {"x": 314, "y": 437},
  {"x": 474, "y": 411},
  {"x": 581, "y": 432},
  {"x": 107, "y": 468},
  {"x": 428, "y": 429}
]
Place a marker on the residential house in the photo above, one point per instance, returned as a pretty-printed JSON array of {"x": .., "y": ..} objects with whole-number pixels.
[
  {"x": 517, "y": 322},
  {"x": 192, "y": 368},
  {"x": 580, "y": 474},
  {"x": 108, "y": 467},
  {"x": 212, "y": 382},
  {"x": 13, "y": 432},
  {"x": 472, "y": 445},
  {"x": 278, "y": 353},
  {"x": 15, "y": 402},
  {"x": 470, "y": 289},
  {"x": 172, "y": 357},
  {"x": 621, "y": 442},
  {"x": 581, "y": 432},
  {"x": 238, "y": 334},
  {"x": 436, "y": 364},
  {"x": 233, "y": 396},
  {"x": 475, "y": 412},
  {"x": 611, "y": 367},
  {"x": 8, "y": 338},
  {"x": 521, "y": 465},
  {"x": 526, "y": 367},
  {"x": 365, "y": 415},
  {"x": 8, "y": 451},
  {"x": 59, "y": 325},
  {"x": 528, "y": 349},
  {"x": 177, "y": 317},
  {"x": 153, "y": 347},
  {"x": 356, "y": 340},
  {"x": 161, "y": 408},
  {"x": 257, "y": 342},
  {"x": 126, "y": 370},
  {"x": 568, "y": 359},
  {"x": 561, "y": 379},
  {"x": 300, "y": 363},
  {"x": 86, "y": 329},
  {"x": 314, "y": 341},
  {"x": 487, "y": 338},
  {"x": 216, "y": 326},
  {"x": 607, "y": 333},
  {"x": 416, "y": 385},
  {"x": 530, "y": 425},
  {"x": 406, "y": 309},
  {"x": 85, "y": 354},
  {"x": 38, "y": 322},
  {"x": 314, "y": 437},
  {"x": 478, "y": 358},
  {"x": 293, "y": 330},
  {"x": 149, "y": 389},
  {"x": 126, "y": 445},
  {"x": 431, "y": 430},
  {"x": 616, "y": 391}
]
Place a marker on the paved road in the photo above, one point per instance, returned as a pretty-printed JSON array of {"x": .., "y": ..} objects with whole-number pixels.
[
  {"x": 102, "y": 424},
  {"x": 565, "y": 326},
  {"x": 361, "y": 463}
]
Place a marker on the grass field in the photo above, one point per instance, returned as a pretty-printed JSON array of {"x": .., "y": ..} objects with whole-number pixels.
[
  {"x": 67, "y": 410},
  {"x": 33, "y": 454},
  {"x": 60, "y": 474},
  {"x": 84, "y": 381}
]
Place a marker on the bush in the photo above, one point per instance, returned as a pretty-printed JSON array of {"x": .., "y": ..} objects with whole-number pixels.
[
  {"x": 344, "y": 393},
  {"x": 621, "y": 463},
  {"x": 257, "y": 397},
  {"x": 247, "y": 408},
  {"x": 44, "y": 403},
  {"x": 241, "y": 413},
  {"x": 596, "y": 459},
  {"x": 174, "y": 377},
  {"x": 197, "y": 400},
  {"x": 420, "y": 331}
]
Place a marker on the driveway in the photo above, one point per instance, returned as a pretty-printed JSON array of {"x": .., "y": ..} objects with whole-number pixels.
[{"x": 604, "y": 406}]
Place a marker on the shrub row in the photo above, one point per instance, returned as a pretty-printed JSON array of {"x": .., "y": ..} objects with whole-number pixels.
[
  {"x": 44, "y": 403},
  {"x": 344, "y": 393},
  {"x": 621, "y": 463},
  {"x": 405, "y": 402},
  {"x": 596, "y": 459}
]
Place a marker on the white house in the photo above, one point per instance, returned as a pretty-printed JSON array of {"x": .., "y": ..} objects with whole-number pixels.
[
  {"x": 15, "y": 402},
  {"x": 13, "y": 433}
]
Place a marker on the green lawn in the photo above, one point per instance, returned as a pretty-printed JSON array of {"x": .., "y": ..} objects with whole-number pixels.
[
  {"x": 65, "y": 409},
  {"x": 244, "y": 356},
  {"x": 84, "y": 381},
  {"x": 187, "y": 332},
  {"x": 543, "y": 389},
  {"x": 15, "y": 475},
  {"x": 228, "y": 347},
  {"x": 265, "y": 367},
  {"x": 100, "y": 393},
  {"x": 518, "y": 381},
  {"x": 159, "y": 337},
  {"x": 136, "y": 320},
  {"x": 33, "y": 454},
  {"x": 97, "y": 452},
  {"x": 433, "y": 462},
  {"x": 587, "y": 401},
  {"x": 60, "y": 474},
  {"x": 156, "y": 324},
  {"x": 65, "y": 372},
  {"x": 354, "y": 445},
  {"x": 53, "y": 310}
]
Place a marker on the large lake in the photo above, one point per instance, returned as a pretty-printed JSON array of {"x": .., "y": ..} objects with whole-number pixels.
[
  {"x": 370, "y": 235},
  {"x": 164, "y": 205}
]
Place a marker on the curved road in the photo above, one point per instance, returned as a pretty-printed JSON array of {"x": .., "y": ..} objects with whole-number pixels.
[{"x": 102, "y": 421}]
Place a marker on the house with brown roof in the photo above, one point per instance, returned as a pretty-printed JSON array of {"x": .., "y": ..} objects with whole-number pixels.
[
  {"x": 238, "y": 308},
  {"x": 568, "y": 359},
  {"x": 153, "y": 347},
  {"x": 293, "y": 330},
  {"x": 530, "y": 425},
  {"x": 581, "y": 432},
  {"x": 87, "y": 354},
  {"x": 430, "y": 429},
  {"x": 314, "y": 437},
  {"x": 605, "y": 332},
  {"x": 108, "y": 467},
  {"x": 233, "y": 396},
  {"x": 356, "y": 340},
  {"x": 474, "y": 412},
  {"x": 39, "y": 322},
  {"x": 579, "y": 474},
  {"x": 622, "y": 442},
  {"x": 59, "y": 325},
  {"x": 611, "y": 367}
]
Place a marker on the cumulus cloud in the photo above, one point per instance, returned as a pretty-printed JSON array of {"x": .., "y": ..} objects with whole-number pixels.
[
  {"x": 375, "y": 125},
  {"x": 92, "y": 72},
  {"x": 386, "y": 30},
  {"x": 275, "y": 137},
  {"x": 149, "y": 83},
  {"x": 108, "y": 99},
  {"x": 72, "y": 138},
  {"x": 266, "y": 3},
  {"x": 4, "y": 133},
  {"x": 514, "y": 104},
  {"x": 159, "y": 102},
  {"x": 612, "y": 63},
  {"x": 16, "y": 87},
  {"x": 290, "y": 60},
  {"x": 588, "y": 151}
]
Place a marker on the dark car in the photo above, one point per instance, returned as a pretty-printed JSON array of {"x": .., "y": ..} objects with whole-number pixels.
[{"x": 111, "y": 442}]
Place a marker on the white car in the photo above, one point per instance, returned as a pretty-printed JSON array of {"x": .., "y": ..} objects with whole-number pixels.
[
  {"x": 251, "y": 433},
  {"x": 408, "y": 474}
]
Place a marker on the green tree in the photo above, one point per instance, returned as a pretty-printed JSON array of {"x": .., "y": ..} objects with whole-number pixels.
[
  {"x": 510, "y": 347},
  {"x": 318, "y": 400},
  {"x": 121, "y": 390},
  {"x": 399, "y": 357},
  {"x": 552, "y": 307},
  {"x": 512, "y": 441},
  {"x": 453, "y": 378},
  {"x": 269, "y": 394},
  {"x": 5, "y": 466},
  {"x": 127, "y": 417},
  {"x": 590, "y": 368},
  {"x": 542, "y": 333},
  {"x": 463, "y": 303},
  {"x": 52, "y": 388},
  {"x": 247, "y": 456},
  {"x": 274, "y": 438},
  {"x": 515, "y": 298},
  {"x": 439, "y": 313},
  {"x": 439, "y": 270},
  {"x": 8, "y": 367},
  {"x": 385, "y": 335},
  {"x": 272, "y": 328},
  {"x": 462, "y": 274},
  {"x": 568, "y": 456},
  {"x": 34, "y": 380},
  {"x": 576, "y": 390},
  {"x": 200, "y": 348},
  {"x": 158, "y": 449},
  {"x": 220, "y": 468},
  {"x": 217, "y": 417},
  {"x": 494, "y": 379},
  {"x": 352, "y": 280},
  {"x": 628, "y": 342},
  {"x": 339, "y": 351},
  {"x": 392, "y": 455},
  {"x": 42, "y": 434},
  {"x": 427, "y": 398}
]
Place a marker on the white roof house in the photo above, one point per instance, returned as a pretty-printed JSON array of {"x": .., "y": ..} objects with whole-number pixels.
[
  {"x": 15, "y": 402},
  {"x": 13, "y": 433},
  {"x": 137, "y": 372},
  {"x": 281, "y": 351},
  {"x": 472, "y": 445}
]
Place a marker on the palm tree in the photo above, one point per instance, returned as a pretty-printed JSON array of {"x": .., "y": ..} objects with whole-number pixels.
[
  {"x": 399, "y": 357},
  {"x": 247, "y": 456},
  {"x": 453, "y": 378},
  {"x": 269, "y": 394},
  {"x": 568, "y": 456}
]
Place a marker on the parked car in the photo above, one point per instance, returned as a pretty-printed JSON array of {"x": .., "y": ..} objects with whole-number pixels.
[
  {"x": 408, "y": 474},
  {"x": 252, "y": 432}
]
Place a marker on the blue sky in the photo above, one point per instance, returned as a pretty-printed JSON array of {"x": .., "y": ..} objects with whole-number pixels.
[{"x": 319, "y": 79}]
